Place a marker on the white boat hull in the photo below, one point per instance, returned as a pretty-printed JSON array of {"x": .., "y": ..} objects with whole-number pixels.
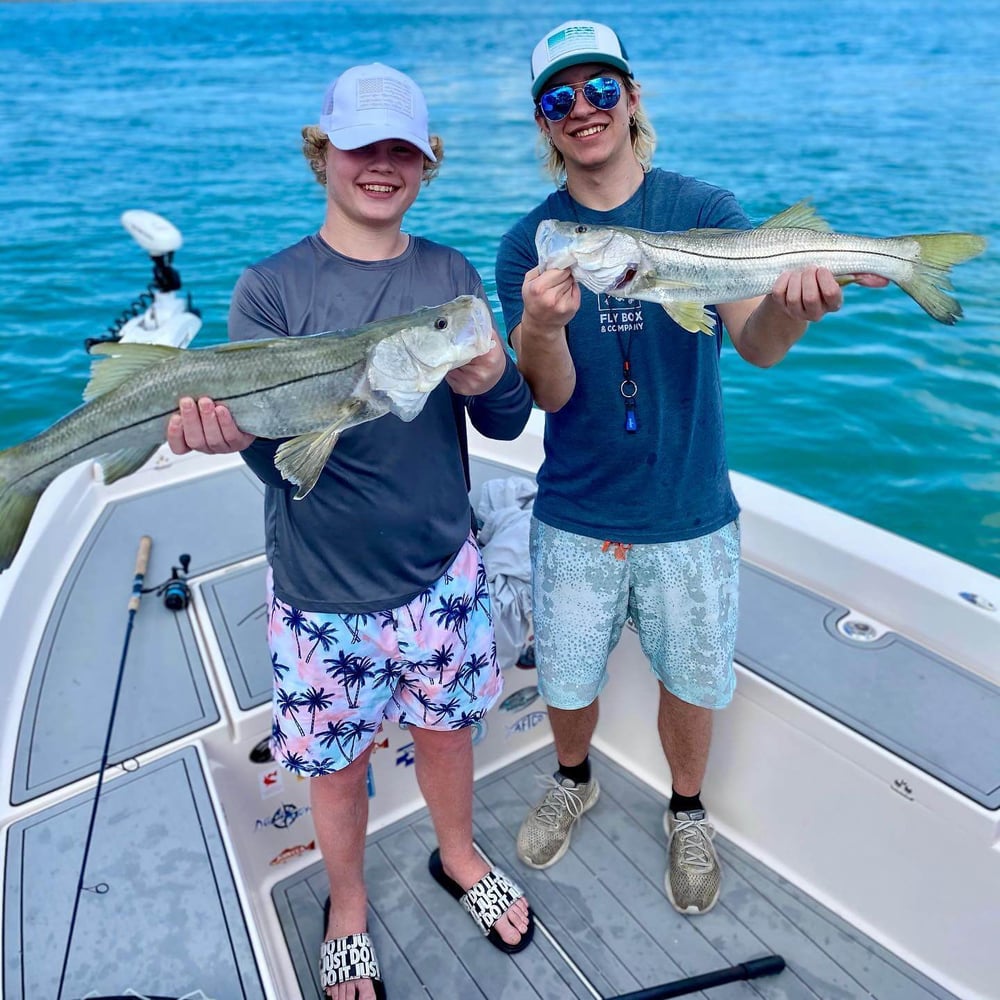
[{"x": 885, "y": 843}]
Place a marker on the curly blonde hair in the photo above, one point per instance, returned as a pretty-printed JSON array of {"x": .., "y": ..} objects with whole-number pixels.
[
  {"x": 314, "y": 143},
  {"x": 640, "y": 129}
]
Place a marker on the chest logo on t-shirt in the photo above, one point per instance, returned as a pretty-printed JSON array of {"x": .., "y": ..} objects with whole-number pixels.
[{"x": 619, "y": 315}]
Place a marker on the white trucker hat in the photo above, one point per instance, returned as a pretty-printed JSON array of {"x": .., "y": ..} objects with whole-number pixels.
[
  {"x": 370, "y": 103},
  {"x": 571, "y": 44}
]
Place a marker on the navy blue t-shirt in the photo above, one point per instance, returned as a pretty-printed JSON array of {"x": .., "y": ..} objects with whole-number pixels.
[{"x": 669, "y": 480}]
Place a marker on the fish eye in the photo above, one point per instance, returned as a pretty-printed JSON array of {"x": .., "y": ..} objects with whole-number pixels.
[
  {"x": 580, "y": 229},
  {"x": 440, "y": 323}
]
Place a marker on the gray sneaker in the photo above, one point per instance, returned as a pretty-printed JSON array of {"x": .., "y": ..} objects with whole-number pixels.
[
  {"x": 694, "y": 877},
  {"x": 544, "y": 835}
]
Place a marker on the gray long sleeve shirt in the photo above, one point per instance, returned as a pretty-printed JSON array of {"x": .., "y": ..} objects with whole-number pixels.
[{"x": 391, "y": 509}]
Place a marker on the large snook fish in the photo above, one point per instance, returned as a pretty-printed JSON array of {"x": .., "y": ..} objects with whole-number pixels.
[
  {"x": 685, "y": 271},
  {"x": 308, "y": 389}
]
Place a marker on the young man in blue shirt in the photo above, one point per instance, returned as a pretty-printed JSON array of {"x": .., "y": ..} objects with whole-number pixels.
[{"x": 634, "y": 517}]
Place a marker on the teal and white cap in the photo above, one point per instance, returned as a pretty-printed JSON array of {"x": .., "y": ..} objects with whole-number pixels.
[
  {"x": 571, "y": 44},
  {"x": 370, "y": 103}
]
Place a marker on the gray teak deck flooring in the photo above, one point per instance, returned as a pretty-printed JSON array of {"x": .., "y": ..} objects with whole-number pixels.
[{"x": 603, "y": 903}]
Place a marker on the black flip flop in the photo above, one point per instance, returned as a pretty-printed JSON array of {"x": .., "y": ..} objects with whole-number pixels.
[
  {"x": 353, "y": 942},
  {"x": 490, "y": 897}
]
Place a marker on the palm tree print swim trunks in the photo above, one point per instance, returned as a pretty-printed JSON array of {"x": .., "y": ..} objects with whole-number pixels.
[{"x": 431, "y": 663}]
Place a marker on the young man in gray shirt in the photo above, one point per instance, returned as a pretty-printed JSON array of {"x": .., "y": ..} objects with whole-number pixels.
[{"x": 377, "y": 596}]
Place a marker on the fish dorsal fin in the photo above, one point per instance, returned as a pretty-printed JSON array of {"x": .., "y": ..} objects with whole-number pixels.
[
  {"x": 801, "y": 215},
  {"x": 690, "y": 316},
  {"x": 301, "y": 459},
  {"x": 121, "y": 363}
]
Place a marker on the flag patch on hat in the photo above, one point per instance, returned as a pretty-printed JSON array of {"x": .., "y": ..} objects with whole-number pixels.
[
  {"x": 381, "y": 93},
  {"x": 576, "y": 36}
]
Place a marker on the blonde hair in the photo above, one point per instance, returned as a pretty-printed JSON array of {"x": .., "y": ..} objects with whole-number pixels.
[
  {"x": 314, "y": 143},
  {"x": 640, "y": 130}
]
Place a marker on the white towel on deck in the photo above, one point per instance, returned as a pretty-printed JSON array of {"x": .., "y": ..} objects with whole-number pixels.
[{"x": 505, "y": 512}]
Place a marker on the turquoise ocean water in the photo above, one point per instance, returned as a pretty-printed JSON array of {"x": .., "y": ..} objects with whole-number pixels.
[{"x": 883, "y": 113}]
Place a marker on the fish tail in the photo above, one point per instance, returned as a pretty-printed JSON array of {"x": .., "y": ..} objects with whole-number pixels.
[
  {"x": 928, "y": 287},
  {"x": 16, "y": 508}
]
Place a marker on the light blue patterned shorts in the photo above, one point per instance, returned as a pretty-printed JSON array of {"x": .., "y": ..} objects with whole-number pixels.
[{"x": 682, "y": 598}]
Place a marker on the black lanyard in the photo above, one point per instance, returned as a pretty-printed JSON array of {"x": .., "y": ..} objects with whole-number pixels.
[{"x": 628, "y": 388}]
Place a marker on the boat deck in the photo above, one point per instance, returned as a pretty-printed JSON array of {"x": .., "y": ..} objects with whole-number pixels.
[
  {"x": 882, "y": 746},
  {"x": 605, "y": 926}
]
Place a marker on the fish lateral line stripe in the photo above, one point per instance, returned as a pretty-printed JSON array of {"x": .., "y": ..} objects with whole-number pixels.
[
  {"x": 159, "y": 416},
  {"x": 100, "y": 437},
  {"x": 782, "y": 253}
]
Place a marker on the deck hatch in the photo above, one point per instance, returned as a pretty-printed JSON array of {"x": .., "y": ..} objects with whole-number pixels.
[
  {"x": 165, "y": 695},
  {"x": 907, "y": 699},
  {"x": 170, "y": 920}
]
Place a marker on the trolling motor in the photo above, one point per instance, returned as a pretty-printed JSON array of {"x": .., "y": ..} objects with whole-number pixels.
[{"x": 160, "y": 314}]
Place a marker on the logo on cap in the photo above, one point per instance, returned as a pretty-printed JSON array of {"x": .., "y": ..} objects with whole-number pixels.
[
  {"x": 577, "y": 36},
  {"x": 381, "y": 93}
]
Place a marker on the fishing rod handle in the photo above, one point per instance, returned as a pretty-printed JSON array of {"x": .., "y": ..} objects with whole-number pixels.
[{"x": 141, "y": 562}]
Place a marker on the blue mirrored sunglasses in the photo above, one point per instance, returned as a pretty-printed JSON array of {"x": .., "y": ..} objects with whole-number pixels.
[{"x": 601, "y": 92}]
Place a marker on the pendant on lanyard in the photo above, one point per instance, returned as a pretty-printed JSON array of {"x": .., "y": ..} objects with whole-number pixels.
[{"x": 629, "y": 391}]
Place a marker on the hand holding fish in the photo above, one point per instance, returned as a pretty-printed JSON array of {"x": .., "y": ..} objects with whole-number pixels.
[
  {"x": 807, "y": 295},
  {"x": 205, "y": 426},
  {"x": 551, "y": 298},
  {"x": 481, "y": 373}
]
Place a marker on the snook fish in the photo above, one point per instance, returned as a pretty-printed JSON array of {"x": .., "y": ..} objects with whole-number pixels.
[
  {"x": 308, "y": 389},
  {"x": 685, "y": 271}
]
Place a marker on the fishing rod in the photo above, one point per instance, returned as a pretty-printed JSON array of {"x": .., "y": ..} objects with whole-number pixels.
[
  {"x": 141, "y": 562},
  {"x": 769, "y": 965}
]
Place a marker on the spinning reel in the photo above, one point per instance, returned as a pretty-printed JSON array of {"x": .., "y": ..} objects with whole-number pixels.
[{"x": 176, "y": 592}]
